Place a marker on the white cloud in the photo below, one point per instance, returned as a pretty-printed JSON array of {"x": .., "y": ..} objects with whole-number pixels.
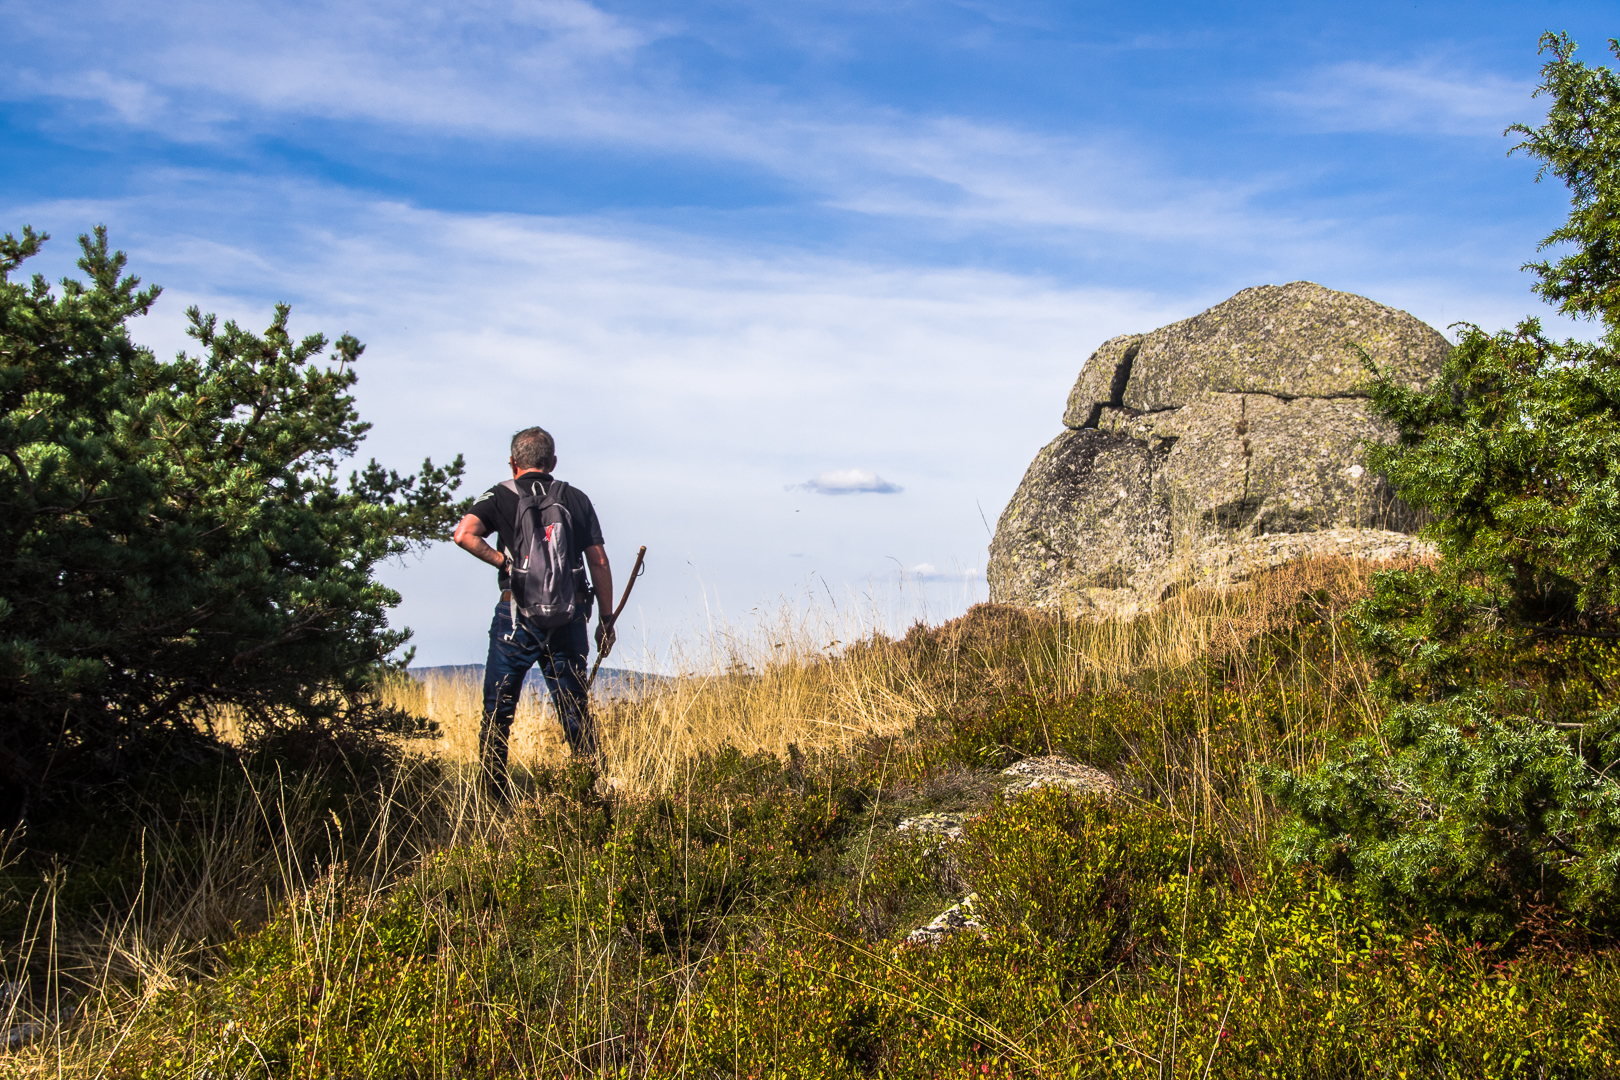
[
  {"x": 850, "y": 482},
  {"x": 683, "y": 379},
  {"x": 1424, "y": 98}
]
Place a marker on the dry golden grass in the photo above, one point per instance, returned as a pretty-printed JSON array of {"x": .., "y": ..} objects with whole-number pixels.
[
  {"x": 791, "y": 679},
  {"x": 456, "y": 701},
  {"x": 783, "y": 681}
]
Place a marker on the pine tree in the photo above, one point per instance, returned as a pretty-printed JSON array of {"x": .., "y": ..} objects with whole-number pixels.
[
  {"x": 1494, "y": 786},
  {"x": 174, "y": 537}
]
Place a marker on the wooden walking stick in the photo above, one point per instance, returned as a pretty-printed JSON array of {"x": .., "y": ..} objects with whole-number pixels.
[{"x": 635, "y": 572}]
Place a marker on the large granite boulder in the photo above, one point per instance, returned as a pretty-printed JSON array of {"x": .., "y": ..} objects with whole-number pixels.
[{"x": 1247, "y": 420}]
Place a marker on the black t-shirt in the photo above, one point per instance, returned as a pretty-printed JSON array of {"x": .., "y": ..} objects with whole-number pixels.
[{"x": 497, "y": 510}]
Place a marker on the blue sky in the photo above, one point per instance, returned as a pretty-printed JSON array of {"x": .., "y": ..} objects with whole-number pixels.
[{"x": 800, "y": 288}]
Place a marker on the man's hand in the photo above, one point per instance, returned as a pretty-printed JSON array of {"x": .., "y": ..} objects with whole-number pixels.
[{"x": 596, "y": 561}]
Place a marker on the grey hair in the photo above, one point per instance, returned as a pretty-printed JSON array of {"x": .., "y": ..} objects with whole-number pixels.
[{"x": 533, "y": 448}]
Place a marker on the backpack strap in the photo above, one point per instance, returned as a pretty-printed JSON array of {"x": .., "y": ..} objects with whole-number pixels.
[
  {"x": 554, "y": 495},
  {"x": 511, "y": 485}
]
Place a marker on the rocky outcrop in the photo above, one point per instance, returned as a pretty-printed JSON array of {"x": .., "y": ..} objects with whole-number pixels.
[{"x": 1248, "y": 420}]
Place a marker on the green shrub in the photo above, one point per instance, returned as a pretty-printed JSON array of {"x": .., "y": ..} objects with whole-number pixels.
[
  {"x": 1296, "y": 978},
  {"x": 1106, "y": 882},
  {"x": 1118, "y": 942},
  {"x": 1473, "y": 821},
  {"x": 1092, "y": 729},
  {"x": 1491, "y": 791}
]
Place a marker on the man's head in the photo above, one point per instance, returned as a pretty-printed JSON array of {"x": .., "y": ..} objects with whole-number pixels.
[{"x": 532, "y": 449}]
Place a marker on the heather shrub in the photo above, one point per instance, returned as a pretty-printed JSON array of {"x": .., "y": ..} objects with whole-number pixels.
[{"x": 1105, "y": 882}]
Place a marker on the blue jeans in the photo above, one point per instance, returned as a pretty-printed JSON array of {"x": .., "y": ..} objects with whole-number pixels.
[{"x": 561, "y": 655}]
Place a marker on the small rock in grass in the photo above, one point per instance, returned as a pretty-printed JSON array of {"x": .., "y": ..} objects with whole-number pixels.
[
  {"x": 943, "y": 825},
  {"x": 952, "y": 920},
  {"x": 1034, "y": 773}
]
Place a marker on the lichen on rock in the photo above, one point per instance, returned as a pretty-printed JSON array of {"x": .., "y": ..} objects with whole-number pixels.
[
  {"x": 1033, "y": 774},
  {"x": 953, "y": 920}
]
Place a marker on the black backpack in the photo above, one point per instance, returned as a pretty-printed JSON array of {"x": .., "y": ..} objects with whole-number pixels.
[{"x": 544, "y": 591}]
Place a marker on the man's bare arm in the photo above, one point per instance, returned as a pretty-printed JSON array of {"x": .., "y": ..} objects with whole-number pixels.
[
  {"x": 469, "y": 537},
  {"x": 596, "y": 561}
]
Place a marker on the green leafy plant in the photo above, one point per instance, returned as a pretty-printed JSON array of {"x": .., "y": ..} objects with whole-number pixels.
[{"x": 1107, "y": 882}]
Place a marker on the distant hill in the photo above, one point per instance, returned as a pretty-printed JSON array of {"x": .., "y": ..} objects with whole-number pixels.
[{"x": 611, "y": 681}]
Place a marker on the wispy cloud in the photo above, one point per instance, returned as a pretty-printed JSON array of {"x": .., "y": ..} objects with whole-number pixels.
[
  {"x": 527, "y": 68},
  {"x": 1422, "y": 98},
  {"x": 569, "y": 71},
  {"x": 850, "y": 482}
]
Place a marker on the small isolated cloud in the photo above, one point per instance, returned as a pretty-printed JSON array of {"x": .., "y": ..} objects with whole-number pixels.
[
  {"x": 929, "y": 572},
  {"x": 850, "y": 482}
]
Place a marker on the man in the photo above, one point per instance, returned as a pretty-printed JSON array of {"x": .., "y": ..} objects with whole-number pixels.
[{"x": 515, "y": 648}]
